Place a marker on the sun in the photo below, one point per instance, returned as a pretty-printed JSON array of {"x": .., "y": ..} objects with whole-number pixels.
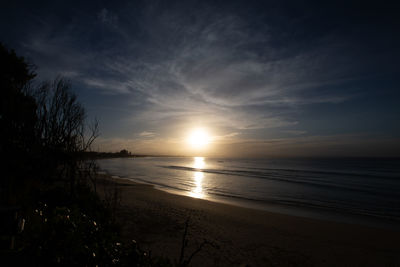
[{"x": 198, "y": 138}]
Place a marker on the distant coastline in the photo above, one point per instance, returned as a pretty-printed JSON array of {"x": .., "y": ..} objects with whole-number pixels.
[
  {"x": 120, "y": 154},
  {"x": 108, "y": 155}
]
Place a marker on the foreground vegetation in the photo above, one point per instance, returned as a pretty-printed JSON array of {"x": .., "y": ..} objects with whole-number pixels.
[{"x": 51, "y": 214}]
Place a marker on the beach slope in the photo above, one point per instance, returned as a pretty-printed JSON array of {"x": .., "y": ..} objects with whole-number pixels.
[{"x": 234, "y": 236}]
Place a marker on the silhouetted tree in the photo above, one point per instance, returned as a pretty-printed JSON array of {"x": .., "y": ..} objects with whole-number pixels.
[
  {"x": 17, "y": 109},
  {"x": 124, "y": 152},
  {"x": 17, "y": 119},
  {"x": 42, "y": 129},
  {"x": 61, "y": 127}
]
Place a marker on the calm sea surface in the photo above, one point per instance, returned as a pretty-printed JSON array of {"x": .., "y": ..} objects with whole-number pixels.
[{"x": 365, "y": 191}]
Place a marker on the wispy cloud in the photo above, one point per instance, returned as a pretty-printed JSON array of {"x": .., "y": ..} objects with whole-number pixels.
[
  {"x": 206, "y": 67},
  {"x": 147, "y": 134}
]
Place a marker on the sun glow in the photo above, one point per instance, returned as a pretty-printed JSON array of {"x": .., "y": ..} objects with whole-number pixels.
[{"x": 199, "y": 138}]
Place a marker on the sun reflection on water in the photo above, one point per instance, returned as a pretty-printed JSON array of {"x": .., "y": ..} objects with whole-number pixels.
[
  {"x": 198, "y": 176},
  {"x": 198, "y": 163}
]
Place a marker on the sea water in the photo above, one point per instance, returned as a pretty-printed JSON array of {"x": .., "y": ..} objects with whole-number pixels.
[{"x": 355, "y": 190}]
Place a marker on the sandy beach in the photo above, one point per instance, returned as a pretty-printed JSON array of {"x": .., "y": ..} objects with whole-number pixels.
[{"x": 236, "y": 236}]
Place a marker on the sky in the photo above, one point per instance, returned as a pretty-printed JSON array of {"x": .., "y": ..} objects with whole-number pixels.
[{"x": 262, "y": 78}]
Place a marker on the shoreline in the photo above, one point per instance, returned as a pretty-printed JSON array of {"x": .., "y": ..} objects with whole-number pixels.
[
  {"x": 238, "y": 235},
  {"x": 296, "y": 211}
]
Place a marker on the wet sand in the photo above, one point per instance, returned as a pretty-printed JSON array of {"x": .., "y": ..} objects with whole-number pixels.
[{"x": 236, "y": 236}]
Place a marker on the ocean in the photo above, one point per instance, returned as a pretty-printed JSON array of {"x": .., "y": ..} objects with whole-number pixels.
[{"x": 353, "y": 190}]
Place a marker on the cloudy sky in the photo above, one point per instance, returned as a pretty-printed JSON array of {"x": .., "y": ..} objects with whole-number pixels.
[{"x": 264, "y": 78}]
